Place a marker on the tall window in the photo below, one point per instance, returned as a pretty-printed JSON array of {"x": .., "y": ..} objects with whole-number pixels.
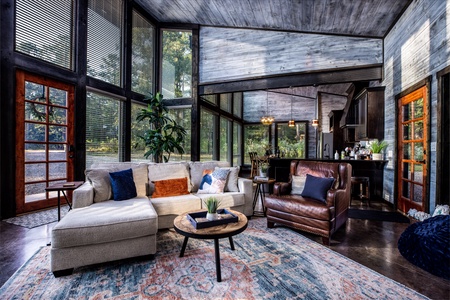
[
  {"x": 44, "y": 30},
  {"x": 142, "y": 55},
  {"x": 183, "y": 117},
  {"x": 176, "y": 64},
  {"x": 225, "y": 139},
  {"x": 291, "y": 140},
  {"x": 208, "y": 137},
  {"x": 104, "y": 40},
  {"x": 237, "y": 104},
  {"x": 256, "y": 139},
  {"x": 137, "y": 130},
  {"x": 103, "y": 128},
  {"x": 226, "y": 102},
  {"x": 237, "y": 144}
]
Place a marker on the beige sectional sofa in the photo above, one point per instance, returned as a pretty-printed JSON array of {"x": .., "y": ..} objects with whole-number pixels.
[{"x": 99, "y": 229}]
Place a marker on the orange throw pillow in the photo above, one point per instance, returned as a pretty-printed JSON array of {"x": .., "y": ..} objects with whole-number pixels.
[{"x": 170, "y": 187}]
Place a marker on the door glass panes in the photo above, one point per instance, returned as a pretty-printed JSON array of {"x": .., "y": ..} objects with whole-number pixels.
[
  {"x": 225, "y": 135},
  {"x": 56, "y": 152},
  {"x": 417, "y": 193},
  {"x": 237, "y": 144},
  {"x": 57, "y": 170},
  {"x": 102, "y": 128},
  {"x": 406, "y": 131},
  {"x": 137, "y": 129},
  {"x": 291, "y": 140},
  {"x": 418, "y": 173},
  {"x": 57, "y": 97},
  {"x": 407, "y": 112},
  {"x": 407, "y": 151},
  {"x": 256, "y": 139},
  {"x": 407, "y": 171},
  {"x": 418, "y": 130},
  {"x": 176, "y": 64},
  {"x": 406, "y": 189},
  {"x": 225, "y": 102},
  {"x": 142, "y": 55},
  {"x": 104, "y": 40},
  {"x": 35, "y": 111},
  {"x": 208, "y": 138},
  {"x": 44, "y": 30},
  {"x": 418, "y": 108},
  {"x": 237, "y": 104},
  {"x": 418, "y": 151},
  {"x": 182, "y": 116}
]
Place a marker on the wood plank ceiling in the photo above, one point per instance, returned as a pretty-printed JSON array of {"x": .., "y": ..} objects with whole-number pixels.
[{"x": 368, "y": 18}]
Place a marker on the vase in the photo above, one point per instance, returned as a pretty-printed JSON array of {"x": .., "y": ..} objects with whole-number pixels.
[
  {"x": 377, "y": 156},
  {"x": 262, "y": 174},
  {"x": 212, "y": 216}
]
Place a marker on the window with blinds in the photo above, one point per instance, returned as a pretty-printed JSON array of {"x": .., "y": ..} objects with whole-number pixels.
[
  {"x": 103, "y": 128},
  {"x": 142, "y": 55},
  {"x": 104, "y": 40},
  {"x": 44, "y": 29}
]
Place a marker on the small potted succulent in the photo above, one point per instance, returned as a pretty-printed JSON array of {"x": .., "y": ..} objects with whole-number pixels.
[
  {"x": 377, "y": 147},
  {"x": 263, "y": 168},
  {"x": 212, "y": 204}
]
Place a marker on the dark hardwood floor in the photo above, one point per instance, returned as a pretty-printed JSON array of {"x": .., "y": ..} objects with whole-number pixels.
[{"x": 370, "y": 243}]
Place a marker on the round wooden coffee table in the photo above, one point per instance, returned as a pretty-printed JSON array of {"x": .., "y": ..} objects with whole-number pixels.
[{"x": 184, "y": 227}]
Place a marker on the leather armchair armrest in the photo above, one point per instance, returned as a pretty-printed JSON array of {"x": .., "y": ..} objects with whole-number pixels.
[
  {"x": 337, "y": 198},
  {"x": 282, "y": 188}
]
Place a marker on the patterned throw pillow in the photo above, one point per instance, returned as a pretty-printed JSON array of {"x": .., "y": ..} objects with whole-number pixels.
[{"x": 213, "y": 183}]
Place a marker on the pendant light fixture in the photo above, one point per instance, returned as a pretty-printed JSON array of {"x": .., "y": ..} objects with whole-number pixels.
[
  {"x": 291, "y": 121},
  {"x": 266, "y": 119},
  {"x": 315, "y": 122}
]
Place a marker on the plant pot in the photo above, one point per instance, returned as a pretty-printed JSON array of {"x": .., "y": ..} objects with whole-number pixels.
[
  {"x": 212, "y": 216},
  {"x": 262, "y": 174},
  {"x": 377, "y": 156}
]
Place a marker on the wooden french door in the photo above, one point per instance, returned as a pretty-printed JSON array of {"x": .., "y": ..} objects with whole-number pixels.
[
  {"x": 412, "y": 154},
  {"x": 44, "y": 139}
]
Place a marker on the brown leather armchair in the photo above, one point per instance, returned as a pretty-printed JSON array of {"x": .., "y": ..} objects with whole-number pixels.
[{"x": 307, "y": 214}]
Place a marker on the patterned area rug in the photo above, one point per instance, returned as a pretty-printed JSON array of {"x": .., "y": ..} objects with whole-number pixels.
[
  {"x": 39, "y": 218},
  {"x": 267, "y": 263}
]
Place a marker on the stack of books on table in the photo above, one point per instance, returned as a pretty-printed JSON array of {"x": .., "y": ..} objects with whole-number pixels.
[{"x": 262, "y": 178}]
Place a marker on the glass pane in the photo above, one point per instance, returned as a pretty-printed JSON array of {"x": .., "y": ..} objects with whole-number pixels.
[
  {"x": 225, "y": 102},
  {"x": 34, "y": 152},
  {"x": 176, "y": 64},
  {"x": 34, "y": 132},
  {"x": 57, "y": 115},
  {"x": 418, "y": 151},
  {"x": 225, "y": 135},
  {"x": 35, "y": 112},
  {"x": 137, "y": 130},
  {"x": 237, "y": 104},
  {"x": 418, "y": 173},
  {"x": 256, "y": 139},
  {"x": 407, "y": 132},
  {"x": 57, "y": 152},
  {"x": 418, "y": 130},
  {"x": 36, "y": 189},
  {"x": 407, "y": 112},
  {"x": 208, "y": 125},
  {"x": 102, "y": 128},
  {"x": 407, "y": 171},
  {"x": 57, "y": 134},
  {"x": 210, "y": 98},
  {"x": 34, "y": 92},
  {"x": 35, "y": 172},
  {"x": 406, "y": 189},
  {"x": 183, "y": 118},
  {"x": 418, "y": 108},
  {"x": 407, "y": 150},
  {"x": 291, "y": 141},
  {"x": 104, "y": 40},
  {"x": 142, "y": 55},
  {"x": 418, "y": 190},
  {"x": 237, "y": 144},
  {"x": 57, "y": 170},
  {"x": 58, "y": 97},
  {"x": 44, "y": 30}
]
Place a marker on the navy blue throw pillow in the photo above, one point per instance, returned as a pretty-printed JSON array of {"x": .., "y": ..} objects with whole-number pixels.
[
  {"x": 122, "y": 184},
  {"x": 317, "y": 187}
]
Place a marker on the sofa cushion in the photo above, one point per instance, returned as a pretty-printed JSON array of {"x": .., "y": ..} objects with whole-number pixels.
[
  {"x": 227, "y": 200},
  {"x": 232, "y": 180},
  {"x": 170, "y": 187},
  {"x": 317, "y": 187},
  {"x": 104, "y": 222},
  {"x": 122, "y": 185},
  {"x": 164, "y": 171},
  {"x": 176, "y": 205},
  {"x": 197, "y": 168}
]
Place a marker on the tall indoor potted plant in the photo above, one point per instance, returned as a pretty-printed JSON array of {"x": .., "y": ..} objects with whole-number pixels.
[{"x": 164, "y": 136}]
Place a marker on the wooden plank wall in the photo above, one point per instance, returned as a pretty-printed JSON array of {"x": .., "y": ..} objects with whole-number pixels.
[
  {"x": 416, "y": 47},
  {"x": 231, "y": 53}
]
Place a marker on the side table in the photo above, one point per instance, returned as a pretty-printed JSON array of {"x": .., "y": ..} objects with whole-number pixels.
[
  {"x": 261, "y": 193},
  {"x": 61, "y": 187}
]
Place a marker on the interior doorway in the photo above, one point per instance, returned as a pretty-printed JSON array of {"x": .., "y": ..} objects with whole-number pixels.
[
  {"x": 443, "y": 138},
  {"x": 44, "y": 139},
  {"x": 412, "y": 156}
]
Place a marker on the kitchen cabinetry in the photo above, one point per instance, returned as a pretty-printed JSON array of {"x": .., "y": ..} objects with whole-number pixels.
[{"x": 369, "y": 106}]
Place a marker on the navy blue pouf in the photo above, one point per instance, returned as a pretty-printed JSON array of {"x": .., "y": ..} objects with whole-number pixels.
[{"x": 427, "y": 245}]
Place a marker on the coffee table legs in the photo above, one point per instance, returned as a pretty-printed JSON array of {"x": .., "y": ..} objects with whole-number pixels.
[{"x": 216, "y": 253}]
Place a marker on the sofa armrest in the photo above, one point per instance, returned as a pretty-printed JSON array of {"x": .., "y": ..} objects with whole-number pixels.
[
  {"x": 338, "y": 199},
  {"x": 83, "y": 196},
  {"x": 245, "y": 186},
  {"x": 282, "y": 188}
]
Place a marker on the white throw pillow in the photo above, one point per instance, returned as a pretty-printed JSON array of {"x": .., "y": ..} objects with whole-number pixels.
[
  {"x": 99, "y": 179},
  {"x": 298, "y": 183}
]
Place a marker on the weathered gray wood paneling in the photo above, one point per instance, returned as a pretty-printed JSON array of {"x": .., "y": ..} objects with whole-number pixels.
[
  {"x": 230, "y": 54},
  {"x": 416, "y": 47}
]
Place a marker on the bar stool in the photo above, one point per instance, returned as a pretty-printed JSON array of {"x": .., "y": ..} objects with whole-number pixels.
[{"x": 363, "y": 184}]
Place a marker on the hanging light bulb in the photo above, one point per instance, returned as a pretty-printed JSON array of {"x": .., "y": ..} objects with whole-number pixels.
[
  {"x": 291, "y": 121},
  {"x": 266, "y": 119}
]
